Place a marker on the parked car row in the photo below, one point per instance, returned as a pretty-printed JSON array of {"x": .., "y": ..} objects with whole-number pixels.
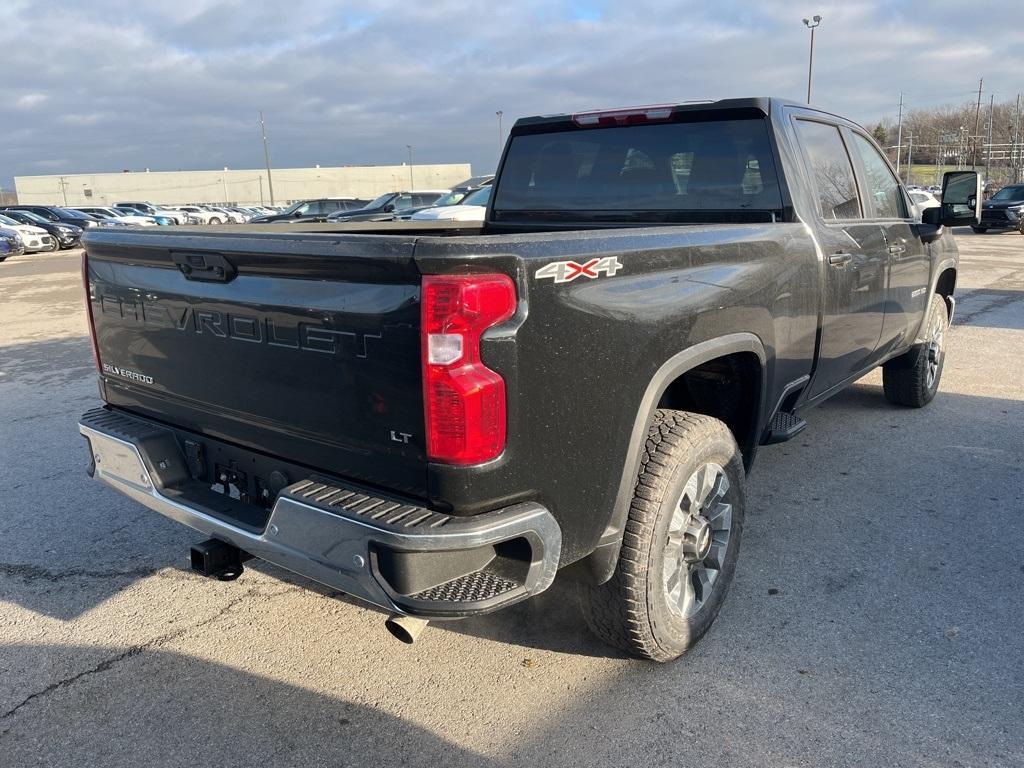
[
  {"x": 461, "y": 202},
  {"x": 33, "y": 228}
]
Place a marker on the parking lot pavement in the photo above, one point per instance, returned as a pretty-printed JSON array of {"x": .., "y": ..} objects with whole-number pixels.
[{"x": 876, "y": 618}]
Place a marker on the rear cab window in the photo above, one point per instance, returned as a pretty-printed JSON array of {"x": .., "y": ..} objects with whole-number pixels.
[{"x": 695, "y": 170}]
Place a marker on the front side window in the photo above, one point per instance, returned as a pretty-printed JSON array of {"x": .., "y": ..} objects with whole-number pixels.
[
  {"x": 883, "y": 189},
  {"x": 831, "y": 170}
]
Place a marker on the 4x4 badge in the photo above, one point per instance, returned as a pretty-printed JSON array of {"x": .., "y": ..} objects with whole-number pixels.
[{"x": 567, "y": 271}]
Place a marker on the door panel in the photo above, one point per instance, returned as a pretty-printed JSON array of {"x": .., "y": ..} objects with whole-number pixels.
[
  {"x": 854, "y": 302},
  {"x": 909, "y": 266},
  {"x": 855, "y": 260}
]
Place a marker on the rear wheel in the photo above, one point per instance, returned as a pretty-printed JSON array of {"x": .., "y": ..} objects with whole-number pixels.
[
  {"x": 215, "y": 220},
  {"x": 681, "y": 541},
  {"x": 912, "y": 379}
]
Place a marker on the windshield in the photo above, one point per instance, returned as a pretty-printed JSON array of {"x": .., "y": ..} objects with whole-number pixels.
[
  {"x": 294, "y": 207},
  {"x": 480, "y": 197},
  {"x": 380, "y": 201},
  {"x": 33, "y": 217},
  {"x": 9, "y": 222},
  {"x": 1009, "y": 193},
  {"x": 452, "y": 198},
  {"x": 71, "y": 213},
  {"x": 717, "y": 166}
]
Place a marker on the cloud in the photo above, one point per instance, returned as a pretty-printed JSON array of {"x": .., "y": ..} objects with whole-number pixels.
[
  {"x": 179, "y": 83},
  {"x": 29, "y": 100}
]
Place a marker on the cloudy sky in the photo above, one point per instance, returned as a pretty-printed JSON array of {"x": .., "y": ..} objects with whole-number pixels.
[{"x": 176, "y": 84}]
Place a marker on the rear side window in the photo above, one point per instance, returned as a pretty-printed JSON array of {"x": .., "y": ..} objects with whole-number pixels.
[
  {"x": 882, "y": 187},
  {"x": 719, "y": 165},
  {"x": 830, "y": 166}
]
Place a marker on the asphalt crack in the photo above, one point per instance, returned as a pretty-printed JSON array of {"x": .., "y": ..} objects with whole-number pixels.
[
  {"x": 128, "y": 653},
  {"x": 997, "y": 303}
]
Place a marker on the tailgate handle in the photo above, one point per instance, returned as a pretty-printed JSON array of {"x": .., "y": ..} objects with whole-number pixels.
[{"x": 207, "y": 267}]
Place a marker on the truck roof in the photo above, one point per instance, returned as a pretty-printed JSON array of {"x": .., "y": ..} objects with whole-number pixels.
[{"x": 762, "y": 104}]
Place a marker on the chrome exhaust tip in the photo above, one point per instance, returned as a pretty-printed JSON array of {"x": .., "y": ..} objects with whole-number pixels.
[{"x": 405, "y": 628}]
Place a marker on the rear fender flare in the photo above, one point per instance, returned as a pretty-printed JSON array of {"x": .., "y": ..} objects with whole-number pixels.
[{"x": 602, "y": 560}]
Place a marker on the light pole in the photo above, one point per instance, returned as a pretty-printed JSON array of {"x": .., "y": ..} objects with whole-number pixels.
[
  {"x": 811, "y": 24},
  {"x": 266, "y": 156},
  {"x": 411, "y": 185},
  {"x": 501, "y": 144}
]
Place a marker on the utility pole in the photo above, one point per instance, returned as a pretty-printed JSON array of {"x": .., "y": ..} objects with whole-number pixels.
[
  {"x": 899, "y": 135},
  {"x": 1014, "y": 149},
  {"x": 910, "y": 159},
  {"x": 260, "y": 179},
  {"x": 501, "y": 144},
  {"x": 991, "y": 120},
  {"x": 977, "y": 125},
  {"x": 411, "y": 185},
  {"x": 266, "y": 156},
  {"x": 811, "y": 24},
  {"x": 64, "y": 190}
]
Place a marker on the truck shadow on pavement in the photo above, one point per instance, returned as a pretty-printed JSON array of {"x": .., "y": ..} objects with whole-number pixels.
[{"x": 189, "y": 711}]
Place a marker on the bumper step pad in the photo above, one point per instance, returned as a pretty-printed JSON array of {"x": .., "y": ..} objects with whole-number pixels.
[{"x": 471, "y": 588}]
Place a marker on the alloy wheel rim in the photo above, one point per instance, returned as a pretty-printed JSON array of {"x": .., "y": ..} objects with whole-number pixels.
[
  {"x": 697, "y": 541},
  {"x": 934, "y": 349}
]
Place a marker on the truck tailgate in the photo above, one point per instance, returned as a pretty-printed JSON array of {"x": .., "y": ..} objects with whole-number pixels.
[{"x": 298, "y": 345}]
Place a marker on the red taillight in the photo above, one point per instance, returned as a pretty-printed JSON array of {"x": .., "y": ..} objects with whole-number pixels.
[
  {"x": 631, "y": 116},
  {"x": 464, "y": 400},
  {"x": 88, "y": 311}
]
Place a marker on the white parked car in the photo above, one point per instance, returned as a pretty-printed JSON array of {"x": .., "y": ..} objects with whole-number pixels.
[
  {"x": 180, "y": 217},
  {"x": 201, "y": 215},
  {"x": 924, "y": 200},
  {"x": 122, "y": 216},
  {"x": 224, "y": 215},
  {"x": 35, "y": 238},
  {"x": 472, "y": 208}
]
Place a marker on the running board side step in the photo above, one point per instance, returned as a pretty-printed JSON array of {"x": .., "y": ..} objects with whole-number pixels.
[{"x": 783, "y": 426}]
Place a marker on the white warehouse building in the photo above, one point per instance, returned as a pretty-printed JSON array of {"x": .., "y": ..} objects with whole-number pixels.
[{"x": 235, "y": 187}]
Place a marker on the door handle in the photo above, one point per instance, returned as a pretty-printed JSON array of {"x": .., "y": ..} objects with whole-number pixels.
[
  {"x": 840, "y": 259},
  {"x": 896, "y": 250}
]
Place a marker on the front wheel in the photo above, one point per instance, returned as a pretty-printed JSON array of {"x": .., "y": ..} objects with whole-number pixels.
[
  {"x": 215, "y": 220},
  {"x": 912, "y": 379},
  {"x": 681, "y": 541}
]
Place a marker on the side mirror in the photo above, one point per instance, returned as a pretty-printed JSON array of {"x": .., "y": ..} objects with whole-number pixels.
[
  {"x": 389, "y": 208},
  {"x": 297, "y": 214},
  {"x": 961, "y": 199}
]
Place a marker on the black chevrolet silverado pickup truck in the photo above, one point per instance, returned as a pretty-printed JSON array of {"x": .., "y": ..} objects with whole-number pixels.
[{"x": 437, "y": 418}]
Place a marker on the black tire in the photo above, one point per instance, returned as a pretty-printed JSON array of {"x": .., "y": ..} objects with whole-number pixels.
[
  {"x": 215, "y": 220},
  {"x": 912, "y": 379},
  {"x": 980, "y": 230},
  {"x": 3, "y": 258},
  {"x": 637, "y": 610}
]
